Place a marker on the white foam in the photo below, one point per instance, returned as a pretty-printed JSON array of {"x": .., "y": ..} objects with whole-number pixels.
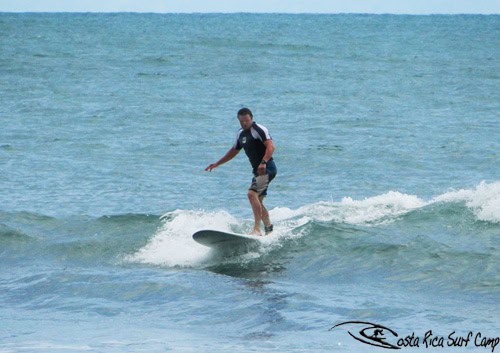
[
  {"x": 375, "y": 209},
  {"x": 173, "y": 245},
  {"x": 380, "y": 208},
  {"x": 484, "y": 200}
]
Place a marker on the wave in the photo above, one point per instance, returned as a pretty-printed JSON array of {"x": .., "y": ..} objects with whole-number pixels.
[
  {"x": 9, "y": 234},
  {"x": 483, "y": 201},
  {"x": 172, "y": 244},
  {"x": 319, "y": 228},
  {"x": 78, "y": 238}
]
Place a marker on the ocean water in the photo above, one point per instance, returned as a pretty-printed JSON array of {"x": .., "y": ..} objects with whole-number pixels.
[{"x": 386, "y": 205}]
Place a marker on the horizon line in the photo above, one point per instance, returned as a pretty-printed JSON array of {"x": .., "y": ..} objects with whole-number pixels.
[{"x": 256, "y": 13}]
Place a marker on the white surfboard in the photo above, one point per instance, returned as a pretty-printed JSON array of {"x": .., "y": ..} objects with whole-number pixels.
[{"x": 222, "y": 240}]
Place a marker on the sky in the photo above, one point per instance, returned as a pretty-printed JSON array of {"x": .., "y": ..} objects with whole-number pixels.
[{"x": 257, "y": 6}]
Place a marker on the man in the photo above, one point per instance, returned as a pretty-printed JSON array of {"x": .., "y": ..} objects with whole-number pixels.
[{"x": 258, "y": 145}]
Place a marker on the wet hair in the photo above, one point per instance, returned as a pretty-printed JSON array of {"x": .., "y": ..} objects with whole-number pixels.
[{"x": 245, "y": 111}]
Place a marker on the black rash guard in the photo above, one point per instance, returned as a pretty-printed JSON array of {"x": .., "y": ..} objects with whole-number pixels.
[{"x": 252, "y": 141}]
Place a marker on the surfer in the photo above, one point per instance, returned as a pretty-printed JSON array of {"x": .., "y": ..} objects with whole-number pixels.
[{"x": 258, "y": 145}]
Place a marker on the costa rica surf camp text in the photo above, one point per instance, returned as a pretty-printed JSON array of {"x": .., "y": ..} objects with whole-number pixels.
[
  {"x": 382, "y": 336},
  {"x": 430, "y": 340}
]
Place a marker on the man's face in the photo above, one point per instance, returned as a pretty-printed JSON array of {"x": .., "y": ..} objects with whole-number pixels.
[{"x": 245, "y": 121}]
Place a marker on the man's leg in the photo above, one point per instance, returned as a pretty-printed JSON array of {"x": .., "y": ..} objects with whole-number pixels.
[
  {"x": 265, "y": 213},
  {"x": 257, "y": 209}
]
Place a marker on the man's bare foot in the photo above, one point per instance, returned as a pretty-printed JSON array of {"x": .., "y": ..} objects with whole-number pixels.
[{"x": 256, "y": 232}]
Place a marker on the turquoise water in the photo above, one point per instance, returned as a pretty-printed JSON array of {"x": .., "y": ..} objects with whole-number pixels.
[{"x": 386, "y": 206}]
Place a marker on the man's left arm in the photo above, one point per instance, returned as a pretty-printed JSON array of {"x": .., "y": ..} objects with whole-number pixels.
[{"x": 267, "y": 156}]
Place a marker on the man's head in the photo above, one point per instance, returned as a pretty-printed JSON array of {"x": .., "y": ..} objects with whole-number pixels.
[{"x": 245, "y": 117}]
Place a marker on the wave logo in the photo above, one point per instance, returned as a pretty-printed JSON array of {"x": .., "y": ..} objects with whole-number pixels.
[{"x": 370, "y": 333}]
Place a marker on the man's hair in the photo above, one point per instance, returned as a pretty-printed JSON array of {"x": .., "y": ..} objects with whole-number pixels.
[{"x": 245, "y": 111}]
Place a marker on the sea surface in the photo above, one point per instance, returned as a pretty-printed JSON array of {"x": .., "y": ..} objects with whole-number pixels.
[{"x": 386, "y": 205}]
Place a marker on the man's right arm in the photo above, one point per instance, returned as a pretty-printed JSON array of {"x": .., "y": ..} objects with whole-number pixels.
[{"x": 226, "y": 158}]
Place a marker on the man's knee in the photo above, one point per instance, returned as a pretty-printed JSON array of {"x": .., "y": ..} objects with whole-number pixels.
[{"x": 252, "y": 195}]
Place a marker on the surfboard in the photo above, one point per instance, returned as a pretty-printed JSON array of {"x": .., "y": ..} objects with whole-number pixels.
[{"x": 223, "y": 240}]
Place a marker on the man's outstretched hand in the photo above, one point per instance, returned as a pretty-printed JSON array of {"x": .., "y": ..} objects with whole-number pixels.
[{"x": 211, "y": 166}]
